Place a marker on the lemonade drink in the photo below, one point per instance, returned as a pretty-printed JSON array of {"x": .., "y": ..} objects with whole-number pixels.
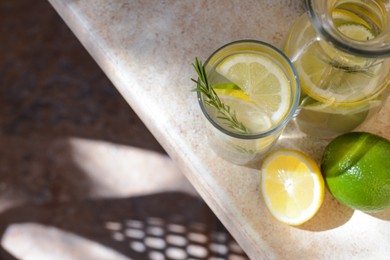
[
  {"x": 343, "y": 73},
  {"x": 259, "y": 86}
]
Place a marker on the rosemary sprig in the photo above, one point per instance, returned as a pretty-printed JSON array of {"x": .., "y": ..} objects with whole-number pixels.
[
  {"x": 366, "y": 68},
  {"x": 225, "y": 112}
]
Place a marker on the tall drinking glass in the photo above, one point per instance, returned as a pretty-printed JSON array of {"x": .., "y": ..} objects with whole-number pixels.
[{"x": 259, "y": 88}]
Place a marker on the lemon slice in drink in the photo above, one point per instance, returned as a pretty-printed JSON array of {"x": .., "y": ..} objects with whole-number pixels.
[
  {"x": 245, "y": 110},
  {"x": 342, "y": 16},
  {"x": 262, "y": 80},
  {"x": 326, "y": 76},
  {"x": 292, "y": 186},
  {"x": 236, "y": 93},
  {"x": 356, "y": 32}
]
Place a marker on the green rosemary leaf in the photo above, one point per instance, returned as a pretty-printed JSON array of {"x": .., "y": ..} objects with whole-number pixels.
[
  {"x": 224, "y": 111},
  {"x": 367, "y": 68}
]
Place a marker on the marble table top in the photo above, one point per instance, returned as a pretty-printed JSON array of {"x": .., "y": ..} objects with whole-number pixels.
[{"x": 146, "y": 49}]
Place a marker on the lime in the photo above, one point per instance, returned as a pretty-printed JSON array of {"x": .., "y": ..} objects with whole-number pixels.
[
  {"x": 262, "y": 80},
  {"x": 356, "y": 167},
  {"x": 225, "y": 85},
  {"x": 292, "y": 186}
]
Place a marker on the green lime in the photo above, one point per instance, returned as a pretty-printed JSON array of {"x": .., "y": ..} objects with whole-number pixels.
[
  {"x": 226, "y": 86},
  {"x": 356, "y": 168}
]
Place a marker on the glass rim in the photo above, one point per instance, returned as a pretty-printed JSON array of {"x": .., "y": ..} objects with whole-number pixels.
[
  {"x": 286, "y": 119},
  {"x": 330, "y": 33}
]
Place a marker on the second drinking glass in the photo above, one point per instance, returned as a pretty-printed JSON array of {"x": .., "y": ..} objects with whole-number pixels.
[{"x": 257, "y": 93}]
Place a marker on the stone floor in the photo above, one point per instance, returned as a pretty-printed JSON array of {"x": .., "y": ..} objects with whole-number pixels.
[{"x": 80, "y": 175}]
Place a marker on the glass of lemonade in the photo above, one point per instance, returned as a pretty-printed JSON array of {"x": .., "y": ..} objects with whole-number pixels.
[
  {"x": 259, "y": 88},
  {"x": 340, "y": 49}
]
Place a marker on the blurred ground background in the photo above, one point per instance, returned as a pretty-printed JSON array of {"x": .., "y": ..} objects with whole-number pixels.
[{"x": 80, "y": 175}]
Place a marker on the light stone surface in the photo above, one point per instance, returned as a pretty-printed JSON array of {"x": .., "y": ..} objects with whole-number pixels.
[{"x": 146, "y": 48}]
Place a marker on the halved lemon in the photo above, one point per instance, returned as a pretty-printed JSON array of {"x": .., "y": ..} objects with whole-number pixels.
[
  {"x": 292, "y": 186},
  {"x": 261, "y": 79},
  {"x": 326, "y": 75}
]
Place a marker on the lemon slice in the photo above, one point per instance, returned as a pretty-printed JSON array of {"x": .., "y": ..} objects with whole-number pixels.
[
  {"x": 322, "y": 76},
  {"x": 292, "y": 186},
  {"x": 246, "y": 112},
  {"x": 343, "y": 110},
  {"x": 356, "y": 32},
  {"x": 342, "y": 16},
  {"x": 236, "y": 93},
  {"x": 262, "y": 80}
]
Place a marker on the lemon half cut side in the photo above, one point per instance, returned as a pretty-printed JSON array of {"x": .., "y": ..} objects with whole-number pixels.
[
  {"x": 292, "y": 186},
  {"x": 262, "y": 80}
]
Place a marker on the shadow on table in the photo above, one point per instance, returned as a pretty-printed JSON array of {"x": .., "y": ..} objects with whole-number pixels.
[
  {"x": 330, "y": 215},
  {"x": 170, "y": 225},
  {"x": 5, "y": 255},
  {"x": 51, "y": 90},
  {"x": 384, "y": 215}
]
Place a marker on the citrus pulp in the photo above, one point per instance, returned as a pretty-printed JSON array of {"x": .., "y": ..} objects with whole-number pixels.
[{"x": 292, "y": 186}]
